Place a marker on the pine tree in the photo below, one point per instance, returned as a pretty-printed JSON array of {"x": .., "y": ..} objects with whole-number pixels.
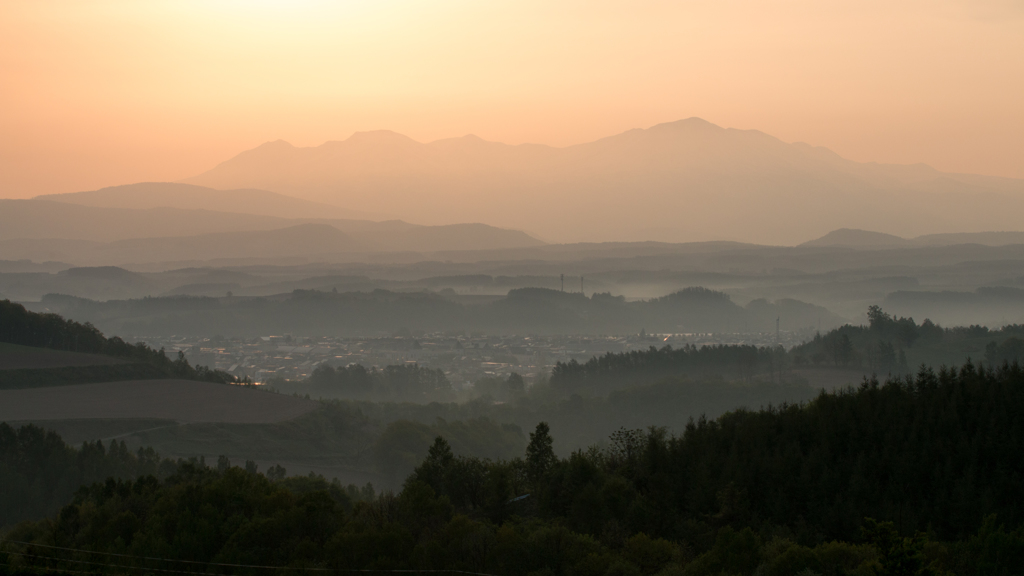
[{"x": 540, "y": 455}]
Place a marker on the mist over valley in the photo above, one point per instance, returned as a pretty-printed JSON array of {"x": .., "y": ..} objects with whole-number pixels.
[{"x": 511, "y": 289}]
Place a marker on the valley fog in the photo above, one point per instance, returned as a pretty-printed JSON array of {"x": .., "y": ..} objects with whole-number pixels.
[{"x": 511, "y": 288}]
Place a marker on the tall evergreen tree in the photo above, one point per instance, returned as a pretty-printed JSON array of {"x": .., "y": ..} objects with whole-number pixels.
[{"x": 540, "y": 455}]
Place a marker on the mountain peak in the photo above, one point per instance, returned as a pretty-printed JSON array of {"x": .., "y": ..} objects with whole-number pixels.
[
  {"x": 855, "y": 238},
  {"x": 379, "y": 137},
  {"x": 687, "y": 180},
  {"x": 275, "y": 145},
  {"x": 691, "y": 123}
]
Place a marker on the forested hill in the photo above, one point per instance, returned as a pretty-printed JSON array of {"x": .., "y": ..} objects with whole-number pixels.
[
  {"x": 612, "y": 371},
  {"x": 522, "y": 310},
  {"x": 40, "y": 473},
  {"x": 887, "y": 346},
  {"x": 20, "y": 326},
  {"x": 916, "y": 476},
  {"x": 897, "y": 345}
]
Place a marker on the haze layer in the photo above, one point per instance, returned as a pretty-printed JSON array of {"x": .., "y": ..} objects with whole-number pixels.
[{"x": 110, "y": 92}]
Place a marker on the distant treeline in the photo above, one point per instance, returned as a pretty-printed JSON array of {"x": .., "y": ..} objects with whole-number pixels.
[
  {"x": 403, "y": 443},
  {"x": 640, "y": 367},
  {"x": 919, "y": 475},
  {"x": 990, "y": 305},
  {"x": 404, "y": 382},
  {"x": 887, "y": 345},
  {"x": 391, "y": 436},
  {"x": 20, "y": 326},
  {"x": 522, "y": 310},
  {"x": 896, "y": 345}
]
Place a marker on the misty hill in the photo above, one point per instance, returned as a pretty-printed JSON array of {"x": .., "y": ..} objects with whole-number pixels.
[
  {"x": 851, "y": 238},
  {"x": 858, "y": 239},
  {"x": 681, "y": 181},
  {"x": 383, "y": 312},
  {"x": 841, "y": 279},
  {"x": 145, "y": 195},
  {"x": 300, "y": 240},
  {"x": 43, "y": 219},
  {"x": 43, "y": 230},
  {"x": 988, "y": 305},
  {"x": 985, "y": 238},
  {"x": 399, "y": 236}
]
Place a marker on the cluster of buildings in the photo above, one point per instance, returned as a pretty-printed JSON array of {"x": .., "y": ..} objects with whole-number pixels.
[{"x": 464, "y": 359}]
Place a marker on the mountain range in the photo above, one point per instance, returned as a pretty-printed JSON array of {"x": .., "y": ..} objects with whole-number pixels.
[
  {"x": 682, "y": 181},
  {"x": 664, "y": 190}
]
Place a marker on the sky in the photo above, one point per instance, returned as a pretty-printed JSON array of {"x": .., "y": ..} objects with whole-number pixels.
[{"x": 99, "y": 93}]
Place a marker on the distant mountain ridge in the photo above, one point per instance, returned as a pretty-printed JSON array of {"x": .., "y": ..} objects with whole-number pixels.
[
  {"x": 852, "y": 238},
  {"x": 676, "y": 182},
  {"x": 43, "y": 230}
]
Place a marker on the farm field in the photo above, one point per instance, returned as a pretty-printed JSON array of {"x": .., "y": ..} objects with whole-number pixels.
[
  {"x": 16, "y": 357},
  {"x": 177, "y": 400}
]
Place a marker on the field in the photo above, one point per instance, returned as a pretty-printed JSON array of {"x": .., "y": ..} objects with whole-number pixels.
[
  {"x": 177, "y": 400},
  {"x": 15, "y": 357}
]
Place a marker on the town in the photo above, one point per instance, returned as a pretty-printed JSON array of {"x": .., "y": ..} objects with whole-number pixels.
[{"x": 464, "y": 358}]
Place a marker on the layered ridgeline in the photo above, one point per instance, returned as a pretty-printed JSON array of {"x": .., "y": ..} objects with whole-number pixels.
[
  {"x": 381, "y": 312},
  {"x": 155, "y": 195},
  {"x": 681, "y": 181},
  {"x": 166, "y": 222},
  {"x": 965, "y": 283},
  {"x": 916, "y": 476}
]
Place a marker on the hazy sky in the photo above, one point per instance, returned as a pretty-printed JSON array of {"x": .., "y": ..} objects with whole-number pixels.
[{"x": 96, "y": 93}]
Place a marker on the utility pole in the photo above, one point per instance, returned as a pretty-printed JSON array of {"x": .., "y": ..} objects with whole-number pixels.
[
  {"x": 563, "y": 282},
  {"x": 581, "y": 284},
  {"x": 778, "y": 340}
]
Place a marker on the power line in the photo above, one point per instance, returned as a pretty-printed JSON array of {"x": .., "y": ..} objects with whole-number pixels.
[
  {"x": 26, "y": 554},
  {"x": 158, "y": 559},
  {"x": 46, "y": 568}
]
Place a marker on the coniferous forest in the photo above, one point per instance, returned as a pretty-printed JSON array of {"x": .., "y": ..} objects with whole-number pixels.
[
  {"x": 455, "y": 288},
  {"x": 917, "y": 475}
]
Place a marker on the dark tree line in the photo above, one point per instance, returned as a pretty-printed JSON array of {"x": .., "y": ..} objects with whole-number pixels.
[
  {"x": 407, "y": 382},
  {"x": 938, "y": 451},
  {"x": 1008, "y": 351},
  {"x": 888, "y": 345},
  {"x": 919, "y": 475},
  {"x": 20, "y": 326},
  {"x": 640, "y": 367},
  {"x": 896, "y": 345},
  {"x": 39, "y": 473}
]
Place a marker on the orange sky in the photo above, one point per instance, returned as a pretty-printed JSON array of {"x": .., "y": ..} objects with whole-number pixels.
[{"x": 96, "y": 93}]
